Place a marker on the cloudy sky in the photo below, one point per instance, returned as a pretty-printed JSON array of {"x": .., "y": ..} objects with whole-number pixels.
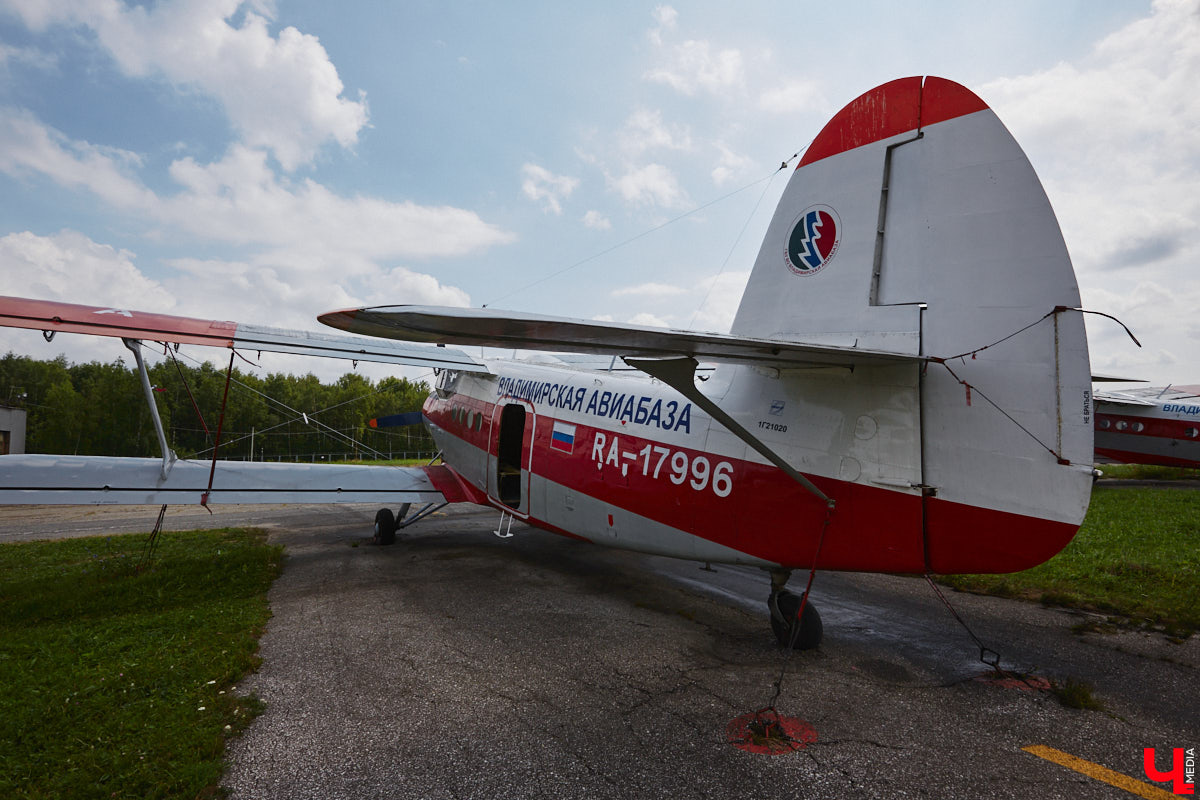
[{"x": 267, "y": 161}]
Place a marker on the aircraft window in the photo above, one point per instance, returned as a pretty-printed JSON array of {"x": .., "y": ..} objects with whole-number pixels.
[
  {"x": 1138, "y": 427},
  {"x": 447, "y": 380},
  {"x": 1191, "y": 433},
  {"x": 1103, "y": 424},
  {"x": 479, "y": 421},
  {"x": 1122, "y": 425}
]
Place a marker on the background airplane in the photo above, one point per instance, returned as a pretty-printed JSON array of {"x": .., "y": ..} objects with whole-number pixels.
[
  {"x": 1149, "y": 425},
  {"x": 905, "y": 387}
]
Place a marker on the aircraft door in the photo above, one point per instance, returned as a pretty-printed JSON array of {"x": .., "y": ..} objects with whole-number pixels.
[{"x": 508, "y": 478}]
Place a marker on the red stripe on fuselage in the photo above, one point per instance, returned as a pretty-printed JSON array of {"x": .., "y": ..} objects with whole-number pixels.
[
  {"x": 769, "y": 516},
  {"x": 766, "y": 514},
  {"x": 1154, "y": 426}
]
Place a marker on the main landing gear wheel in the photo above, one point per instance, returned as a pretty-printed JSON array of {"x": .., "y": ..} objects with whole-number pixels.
[
  {"x": 784, "y": 607},
  {"x": 385, "y": 526}
]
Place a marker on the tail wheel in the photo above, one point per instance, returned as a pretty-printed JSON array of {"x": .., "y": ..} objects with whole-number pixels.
[
  {"x": 385, "y": 526},
  {"x": 784, "y": 626}
]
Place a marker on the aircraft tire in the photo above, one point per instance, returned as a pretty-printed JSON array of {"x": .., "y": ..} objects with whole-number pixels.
[
  {"x": 385, "y": 526},
  {"x": 811, "y": 629}
]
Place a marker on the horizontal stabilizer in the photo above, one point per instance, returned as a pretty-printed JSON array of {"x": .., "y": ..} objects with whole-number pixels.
[
  {"x": 54, "y": 317},
  {"x": 99, "y": 480},
  {"x": 475, "y": 326}
]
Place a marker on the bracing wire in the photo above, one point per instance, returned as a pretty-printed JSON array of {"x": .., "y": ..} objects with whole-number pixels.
[
  {"x": 300, "y": 416},
  {"x": 632, "y": 239}
]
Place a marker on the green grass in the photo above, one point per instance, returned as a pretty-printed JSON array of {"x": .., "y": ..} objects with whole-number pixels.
[
  {"x": 385, "y": 462},
  {"x": 1137, "y": 558},
  {"x": 1148, "y": 472},
  {"x": 116, "y": 678}
]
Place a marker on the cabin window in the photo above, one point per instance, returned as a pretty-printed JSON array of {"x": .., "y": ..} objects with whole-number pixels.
[
  {"x": 447, "y": 383},
  {"x": 1191, "y": 433},
  {"x": 1138, "y": 427},
  {"x": 1122, "y": 425},
  {"x": 1103, "y": 424}
]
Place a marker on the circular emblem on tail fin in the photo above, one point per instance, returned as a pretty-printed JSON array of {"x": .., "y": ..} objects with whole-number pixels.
[{"x": 813, "y": 240}]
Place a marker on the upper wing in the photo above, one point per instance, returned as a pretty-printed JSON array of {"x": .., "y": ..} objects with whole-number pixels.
[
  {"x": 1149, "y": 395},
  {"x": 98, "y": 480},
  {"x": 474, "y": 326},
  {"x": 1121, "y": 399},
  {"x": 53, "y": 317}
]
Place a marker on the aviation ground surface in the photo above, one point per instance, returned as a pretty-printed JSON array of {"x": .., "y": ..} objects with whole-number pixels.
[{"x": 457, "y": 665}]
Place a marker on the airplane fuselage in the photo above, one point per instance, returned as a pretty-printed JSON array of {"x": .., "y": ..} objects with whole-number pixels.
[
  {"x": 620, "y": 459},
  {"x": 1166, "y": 433}
]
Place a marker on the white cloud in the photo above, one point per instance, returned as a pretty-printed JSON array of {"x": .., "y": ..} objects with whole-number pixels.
[
  {"x": 730, "y": 165},
  {"x": 596, "y": 221},
  {"x": 693, "y": 65},
  {"x": 26, "y": 55},
  {"x": 280, "y": 92},
  {"x": 722, "y": 296},
  {"x": 652, "y": 184},
  {"x": 542, "y": 185},
  {"x": 797, "y": 95},
  {"x": 649, "y": 290},
  {"x": 665, "y": 16},
  {"x": 1113, "y": 139},
  {"x": 27, "y": 147},
  {"x": 645, "y": 130},
  {"x": 70, "y": 267},
  {"x": 240, "y": 200},
  {"x": 648, "y": 319}
]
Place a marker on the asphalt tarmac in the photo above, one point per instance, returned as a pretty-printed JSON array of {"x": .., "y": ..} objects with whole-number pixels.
[{"x": 459, "y": 665}]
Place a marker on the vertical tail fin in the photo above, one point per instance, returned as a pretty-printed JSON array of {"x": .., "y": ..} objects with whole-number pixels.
[{"x": 915, "y": 224}]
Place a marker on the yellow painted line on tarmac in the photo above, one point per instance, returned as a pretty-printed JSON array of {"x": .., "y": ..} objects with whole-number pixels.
[{"x": 1097, "y": 772}]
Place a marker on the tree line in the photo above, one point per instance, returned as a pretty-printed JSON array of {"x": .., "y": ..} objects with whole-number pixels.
[{"x": 100, "y": 409}]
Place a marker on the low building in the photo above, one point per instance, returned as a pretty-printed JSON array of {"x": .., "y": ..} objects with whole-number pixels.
[{"x": 12, "y": 430}]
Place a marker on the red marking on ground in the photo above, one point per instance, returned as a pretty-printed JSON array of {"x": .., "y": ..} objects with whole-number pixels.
[
  {"x": 1027, "y": 683},
  {"x": 770, "y": 733}
]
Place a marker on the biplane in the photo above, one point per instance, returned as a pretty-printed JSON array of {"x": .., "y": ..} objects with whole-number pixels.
[
  {"x": 1157, "y": 425},
  {"x": 905, "y": 387}
]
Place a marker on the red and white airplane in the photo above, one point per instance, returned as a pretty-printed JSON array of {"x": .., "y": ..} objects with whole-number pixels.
[
  {"x": 1149, "y": 425},
  {"x": 905, "y": 387}
]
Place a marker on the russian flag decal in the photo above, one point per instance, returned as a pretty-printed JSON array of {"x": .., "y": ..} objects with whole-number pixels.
[{"x": 563, "y": 437}]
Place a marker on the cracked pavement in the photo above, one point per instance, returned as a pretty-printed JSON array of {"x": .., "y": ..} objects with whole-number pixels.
[{"x": 457, "y": 665}]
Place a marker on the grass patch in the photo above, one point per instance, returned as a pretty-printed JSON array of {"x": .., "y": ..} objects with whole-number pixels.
[
  {"x": 1148, "y": 472},
  {"x": 116, "y": 680},
  {"x": 1077, "y": 694},
  {"x": 1135, "y": 557}
]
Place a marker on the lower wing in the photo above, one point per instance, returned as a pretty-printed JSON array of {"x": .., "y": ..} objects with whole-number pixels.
[{"x": 101, "y": 480}]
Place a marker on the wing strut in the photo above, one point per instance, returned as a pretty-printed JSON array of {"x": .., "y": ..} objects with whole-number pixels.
[
  {"x": 168, "y": 455},
  {"x": 680, "y": 375}
]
